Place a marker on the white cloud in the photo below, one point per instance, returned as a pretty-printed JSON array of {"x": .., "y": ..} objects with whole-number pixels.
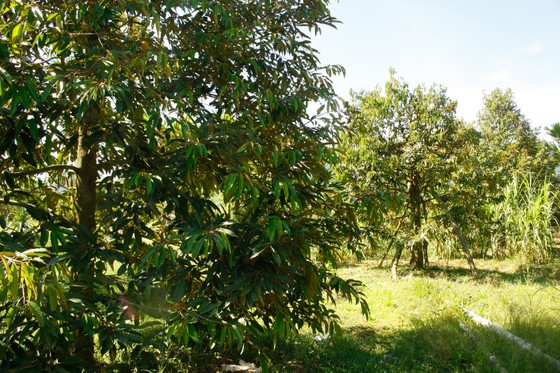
[
  {"x": 539, "y": 104},
  {"x": 534, "y": 48},
  {"x": 503, "y": 66},
  {"x": 500, "y": 77}
]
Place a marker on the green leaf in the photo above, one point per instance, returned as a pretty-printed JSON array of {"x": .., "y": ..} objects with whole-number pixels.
[
  {"x": 17, "y": 32},
  {"x": 122, "y": 269},
  {"x": 149, "y": 186},
  {"x": 37, "y": 313},
  {"x": 34, "y": 130},
  {"x": 193, "y": 333},
  {"x": 82, "y": 109},
  {"x": 223, "y": 334},
  {"x": 35, "y": 213},
  {"x": 4, "y": 53},
  {"x": 263, "y": 361},
  {"x": 271, "y": 230},
  {"x": 229, "y": 185},
  {"x": 237, "y": 334},
  {"x": 10, "y": 180},
  {"x": 207, "y": 308},
  {"x": 44, "y": 237},
  {"x": 53, "y": 302},
  {"x": 13, "y": 285},
  {"x": 88, "y": 323},
  {"x": 279, "y": 325},
  {"x": 10, "y": 315},
  {"x": 186, "y": 334},
  {"x": 54, "y": 240},
  {"x": 179, "y": 291},
  {"x": 46, "y": 92}
]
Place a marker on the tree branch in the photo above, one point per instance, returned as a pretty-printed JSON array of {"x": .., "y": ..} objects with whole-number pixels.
[
  {"x": 28, "y": 207},
  {"x": 458, "y": 232},
  {"x": 68, "y": 167},
  {"x": 503, "y": 332}
]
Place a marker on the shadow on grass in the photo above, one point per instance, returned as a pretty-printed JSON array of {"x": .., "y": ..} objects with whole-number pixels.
[
  {"x": 432, "y": 345},
  {"x": 436, "y": 346},
  {"x": 541, "y": 274},
  {"x": 541, "y": 334},
  {"x": 539, "y": 326},
  {"x": 458, "y": 270}
]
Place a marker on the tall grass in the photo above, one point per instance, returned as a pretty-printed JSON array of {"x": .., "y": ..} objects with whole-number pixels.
[{"x": 525, "y": 221}]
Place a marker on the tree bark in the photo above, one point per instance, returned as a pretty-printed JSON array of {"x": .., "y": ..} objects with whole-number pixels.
[
  {"x": 492, "y": 358},
  {"x": 418, "y": 258},
  {"x": 459, "y": 234},
  {"x": 386, "y": 253},
  {"x": 61, "y": 167},
  {"x": 395, "y": 261},
  {"x": 86, "y": 176},
  {"x": 86, "y": 206},
  {"x": 463, "y": 242},
  {"x": 389, "y": 247},
  {"x": 519, "y": 341}
]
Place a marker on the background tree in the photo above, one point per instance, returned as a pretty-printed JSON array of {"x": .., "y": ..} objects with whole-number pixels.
[
  {"x": 163, "y": 154},
  {"x": 554, "y": 132},
  {"x": 520, "y": 214},
  {"x": 507, "y": 135},
  {"x": 404, "y": 156}
]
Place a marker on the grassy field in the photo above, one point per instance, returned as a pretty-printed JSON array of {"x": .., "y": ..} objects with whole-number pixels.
[{"x": 415, "y": 323}]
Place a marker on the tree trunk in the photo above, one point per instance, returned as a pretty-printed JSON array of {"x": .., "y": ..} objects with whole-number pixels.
[
  {"x": 425, "y": 255},
  {"x": 463, "y": 242},
  {"x": 395, "y": 261},
  {"x": 390, "y": 245},
  {"x": 419, "y": 248},
  {"x": 459, "y": 234},
  {"x": 519, "y": 341},
  {"x": 386, "y": 253},
  {"x": 86, "y": 206}
]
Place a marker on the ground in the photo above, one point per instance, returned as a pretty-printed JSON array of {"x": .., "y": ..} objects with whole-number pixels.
[{"x": 415, "y": 322}]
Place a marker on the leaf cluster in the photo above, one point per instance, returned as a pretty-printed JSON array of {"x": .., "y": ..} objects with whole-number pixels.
[{"x": 213, "y": 197}]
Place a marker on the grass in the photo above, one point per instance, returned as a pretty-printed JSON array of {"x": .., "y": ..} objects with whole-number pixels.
[{"x": 415, "y": 322}]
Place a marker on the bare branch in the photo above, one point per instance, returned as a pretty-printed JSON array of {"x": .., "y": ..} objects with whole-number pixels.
[
  {"x": 519, "y": 341},
  {"x": 63, "y": 167},
  {"x": 28, "y": 206}
]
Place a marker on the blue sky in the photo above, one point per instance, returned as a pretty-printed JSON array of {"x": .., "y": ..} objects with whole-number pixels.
[{"x": 468, "y": 46}]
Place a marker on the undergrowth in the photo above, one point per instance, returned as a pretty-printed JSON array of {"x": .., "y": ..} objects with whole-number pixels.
[{"x": 416, "y": 324}]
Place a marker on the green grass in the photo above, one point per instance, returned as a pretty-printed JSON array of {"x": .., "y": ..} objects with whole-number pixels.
[{"x": 415, "y": 322}]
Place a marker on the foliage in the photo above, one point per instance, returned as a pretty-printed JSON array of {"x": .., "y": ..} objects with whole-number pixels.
[
  {"x": 166, "y": 163},
  {"x": 415, "y": 322},
  {"x": 525, "y": 220},
  {"x": 523, "y": 165},
  {"x": 509, "y": 139},
  {"x": 554, "y": 132},
  {"x": 408, "y": 162}
]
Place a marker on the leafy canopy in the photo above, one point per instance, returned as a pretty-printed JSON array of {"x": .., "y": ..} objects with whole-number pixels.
[
  {"x": 163, "y": 158},
  {"x": 514, "y": 146},
  {"x": 406, "y": 161}
]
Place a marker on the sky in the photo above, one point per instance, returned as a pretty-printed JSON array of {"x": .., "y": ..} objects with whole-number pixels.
[{"x": 468, "y": 46}]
